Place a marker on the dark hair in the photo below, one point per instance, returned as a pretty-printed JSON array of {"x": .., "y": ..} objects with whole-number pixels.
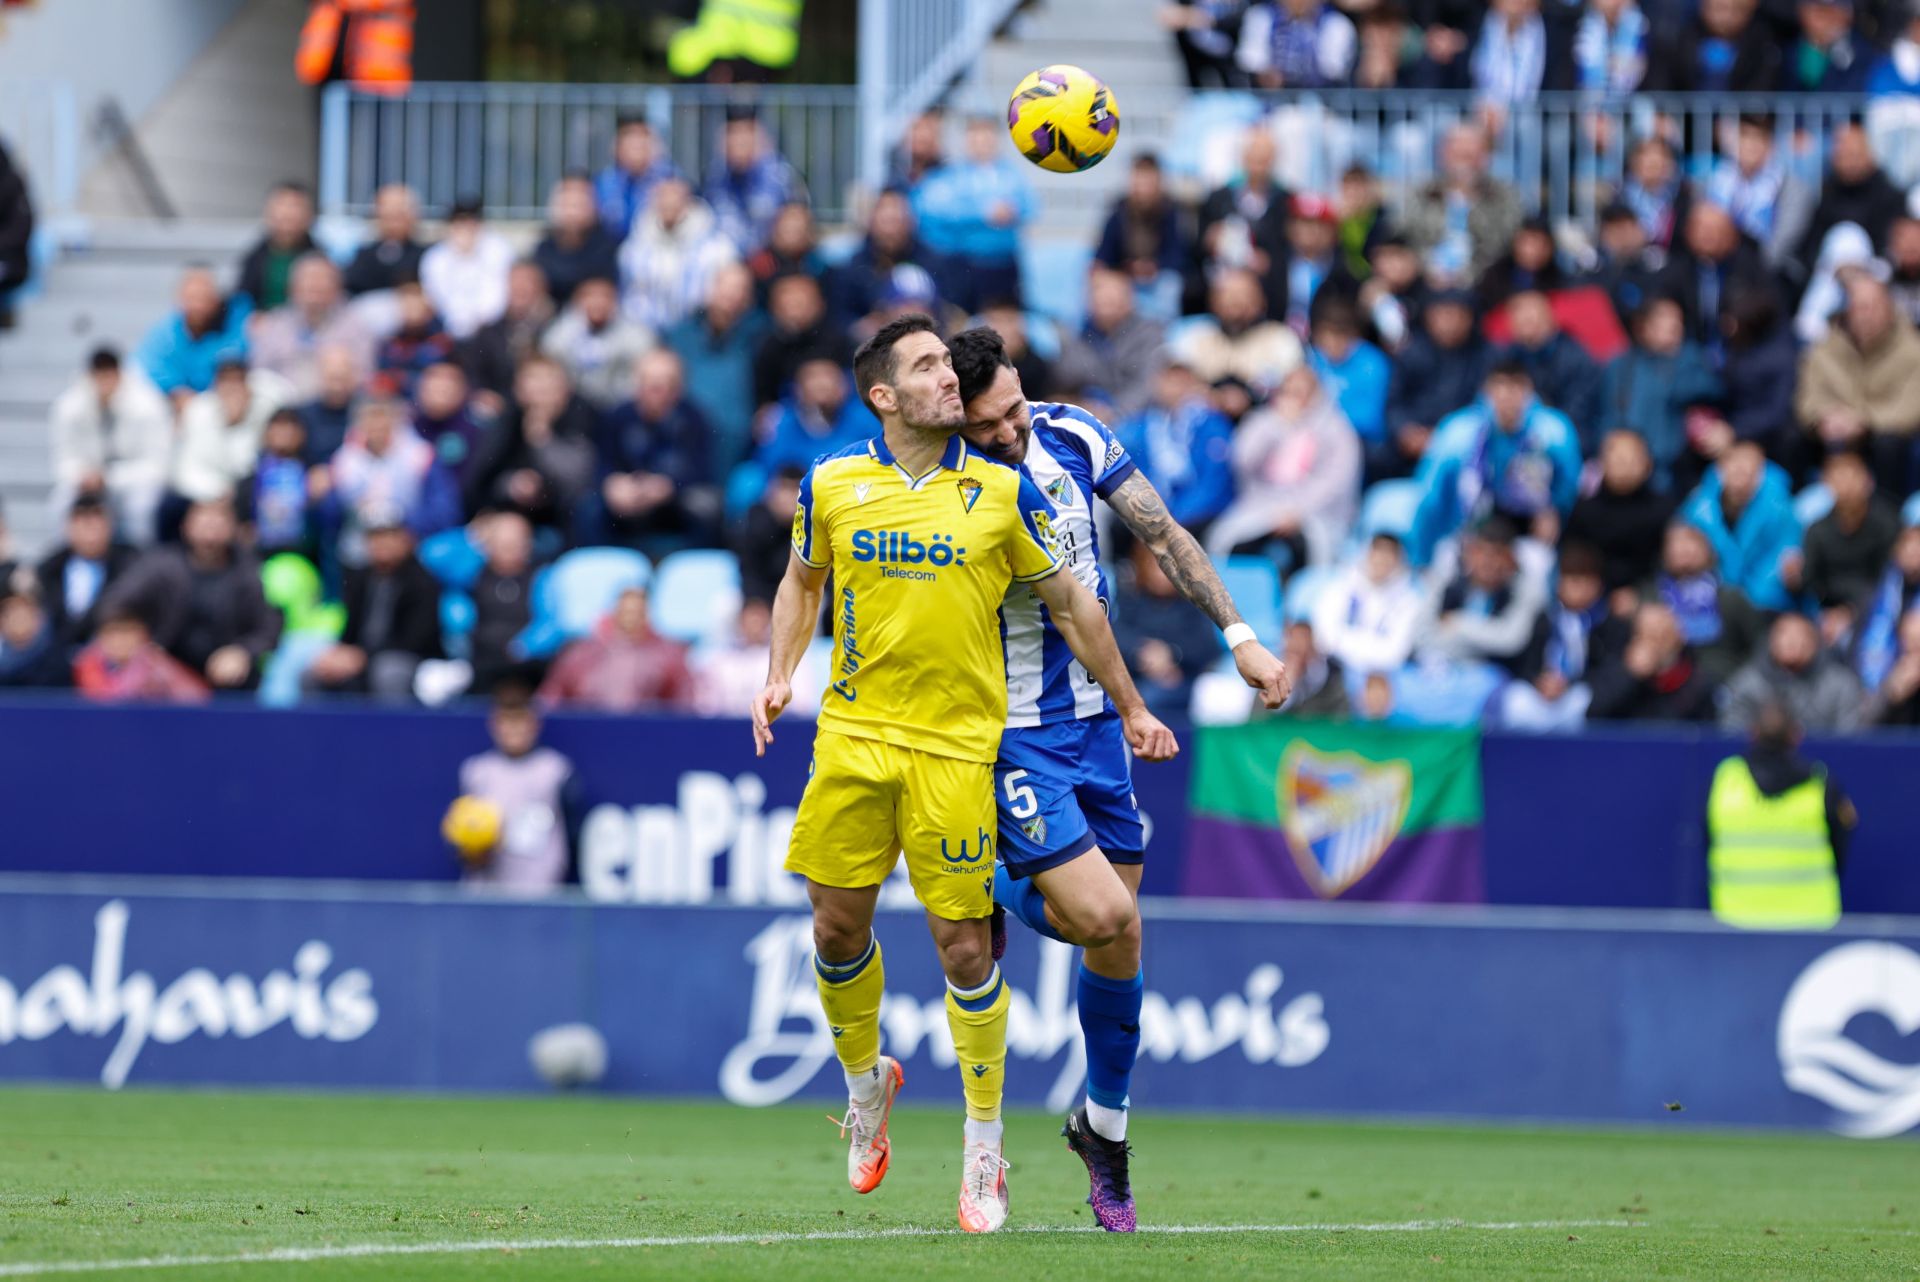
[
  {"x": 595, "y": 278},
  {"x": 1580, "y": 558},
  {"x": 290, "y": 187},
  {"x": 631, "y": 120},
  {"x": 1643, "y": 313},
  {"x": 1619, "y": 211},
  {"x": 1757, "y": 120},
  {"x": 1774, "y": 728},
  {"x": 103, "y": 360},
  {"x": 467, "y": 207},
  {"x": 1496, "y": 529},
  {"x": 1510, "y": 366},
  {"x": 874, "y": 364},
  {"x": 1750, "y": 313},
  {"x": 512, "y": 700},
  {"x": 979, "y": 354},
  {"x": 89, "y": 503},
  {"x": 1846, "y": 452},
  {"x": 1333, "y": 310},
  {"x": 1147, "y": 160},
  {"x": 287, "y": 414}
]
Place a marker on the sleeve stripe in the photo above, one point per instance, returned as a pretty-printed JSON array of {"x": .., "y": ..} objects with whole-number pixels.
[
  {"x": 1052, "y": 569},
  {"x": 1115, "y": 479}
]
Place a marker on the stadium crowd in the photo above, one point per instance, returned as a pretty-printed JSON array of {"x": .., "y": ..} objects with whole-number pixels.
[{"x": 1648, "y": 469}]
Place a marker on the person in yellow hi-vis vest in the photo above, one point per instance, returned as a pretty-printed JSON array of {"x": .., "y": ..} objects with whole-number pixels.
[
  {"x": 1777, "y": 833},
  {"x": 763, "y": 33}
]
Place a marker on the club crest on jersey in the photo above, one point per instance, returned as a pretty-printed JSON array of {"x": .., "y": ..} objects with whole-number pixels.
[
  {"x": 1340, "y": 812},
  {"x": 1036, "y": 830},
  {"x": 1043, "y": 526},
  {"x": 860, "y": 491},
  {"x": 969, "y": 492},
  {"x": 1061, "y": 491}
]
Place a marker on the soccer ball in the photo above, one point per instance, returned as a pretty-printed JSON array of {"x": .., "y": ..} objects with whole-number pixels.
[
  {"x": 1063, "y": 118},
  {"x": 472, "y": 826}
]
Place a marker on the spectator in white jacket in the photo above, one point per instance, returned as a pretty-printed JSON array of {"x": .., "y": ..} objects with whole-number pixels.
[
  {"x": 1368, "y": 615},
  {"x": 113, "y": 436},
  {"x": 1488, "y": 610},
  {"x": 672, "y": 255},
  {"x": 465, "y": 275},
  {"x": 220, "y": 432},
  {"x": 598, "y": 345},
  {"x": 1296, "y": 472}
]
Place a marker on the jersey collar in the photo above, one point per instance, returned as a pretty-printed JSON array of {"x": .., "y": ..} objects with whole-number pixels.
[{"x": 952, "y": 460}]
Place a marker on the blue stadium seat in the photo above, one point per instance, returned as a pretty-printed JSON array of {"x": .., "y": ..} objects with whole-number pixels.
[
  {"x": 457, "y": 617},
  {"x": 1056, "y": 272},
  {"x": 1389, "y": 507},
  {"x": 1812, "y": 503},
  {"x": 576, "y": 592},
  {"x": 696, "y": 593},
  {"x": 454, "y": 557},
  {"x": 1254, "y": 583},
  {"x": 1303, "y": 589},
  {"x": 1910, "y": 514}
]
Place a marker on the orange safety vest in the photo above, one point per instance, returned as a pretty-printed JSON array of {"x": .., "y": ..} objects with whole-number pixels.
[{"x": 379, "y": 43}]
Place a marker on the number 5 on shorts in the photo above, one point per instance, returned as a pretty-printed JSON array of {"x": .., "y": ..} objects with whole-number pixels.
[{"x": 1021, "y": 803}]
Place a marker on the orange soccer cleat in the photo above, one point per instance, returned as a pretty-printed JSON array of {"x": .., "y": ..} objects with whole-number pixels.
[{"x": 869, "y": 1150}]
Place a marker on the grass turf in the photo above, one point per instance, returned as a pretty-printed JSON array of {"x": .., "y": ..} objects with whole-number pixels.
[{"x": 87, "y": 1177}]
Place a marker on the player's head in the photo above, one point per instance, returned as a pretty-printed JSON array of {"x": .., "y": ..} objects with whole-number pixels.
[
  {"x": 906, "y": 376},
  {"x": 514, "y": 721},
  {"x": 997, "y": 419}
]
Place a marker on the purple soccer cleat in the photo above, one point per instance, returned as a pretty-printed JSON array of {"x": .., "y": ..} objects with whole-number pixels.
[{"x": 1111, "y": 1192}]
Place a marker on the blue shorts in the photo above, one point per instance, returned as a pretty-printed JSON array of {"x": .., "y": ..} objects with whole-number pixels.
[{"x": 1063, "y": 789}]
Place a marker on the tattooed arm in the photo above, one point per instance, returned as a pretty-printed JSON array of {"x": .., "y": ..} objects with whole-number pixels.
[{"x": 1189, "y": 567}]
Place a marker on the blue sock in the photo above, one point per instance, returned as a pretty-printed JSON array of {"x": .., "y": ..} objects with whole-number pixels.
[
  {"x": 1023, "y": 899},
  {"x": 1110, "y": 1019}
]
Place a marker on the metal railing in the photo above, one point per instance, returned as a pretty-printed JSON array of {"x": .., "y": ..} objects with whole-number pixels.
[
  {"x": 911, "y": 52},
  {"x": 40, "y": 124},
  {"x": 508, "y": 143}
]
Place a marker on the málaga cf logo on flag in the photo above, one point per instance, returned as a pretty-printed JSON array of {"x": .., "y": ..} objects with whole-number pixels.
[{"x": 1340, "y": 812}]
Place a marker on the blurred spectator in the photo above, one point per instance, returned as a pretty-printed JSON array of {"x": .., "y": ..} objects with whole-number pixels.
[
  {"x": 1146, "y": 237},
  {"x": 267, "y": 270},
  {"x": 113, "y": 436},
  {"x": 1505, "y": 453},
  {"x": 182, "y": 351},
  {"x": 539, "y": 458},
  {"x": 281, "y": 499},
  {"x": 1394, "y": 294},
  {"x": 75, "y": 576},
  {"x": 800, "y": 331},
  {"x": 819, "y": 416},
  {"x": 220, "y": 435},
  {"x": 1510, "y": 61},
  {"x": 1828, "y": 57},
  {"x": 1625, "y": 265},
  {"x": 1243, "y": 225},
  {"x": 1626, "y": 515},
  {"x": 495, "y": 351},
  {"x": 393, "y": 619},
  {"x": 1650, "y": 387},
  {"x": 597, "y": 344},
  {"x": 393, "y": 255},
  {"x": 1759, "y": 367},
  {"x": 1529, "y": 264},
  {"x": 751, "y": 184},
  {"x": 1393, "y": 56},
  {"x": 1894, "y": 598},
  {"x": 466, "y": 273},
  {"x": 16, "y": 233},
  {"x": 442, "y": 416},
  {"x": 1489, "y": 609},
  {"x": 202, "y": 601},
  {"x": 1899, "y": 693},
  {"x": 892, "y": 241},
  {"x": 1111, "y": 359},
  {"x": 1610, "y": 48},
  {"x": 717, "y": 346},
  {"x": 1746, "y": 510},
  {"x": 1366, "y": 616},
  {"x": 1712, "y": 261},
  {"x": 125, "y": 665},
  {"x": 1855, "y": 191},
  {"x": 1720, "y": 625},
  {"x": 330, "y": 413},
  {"x": 1656, "y": 191},
  {"x": 657, "y": 484},
  {"x": 793, "y": 245},
  {"x": 1749, "y": 183},
  {"x": 1820, "y": 691},
  {"x": 1463, "y": 219},
  {"x": 625, "y": 666},
  {"x": 1579, "y": 634},
  {"x": 1438, "y": 372},
  {"x": 1296, "y": 475},
  {"x": 421, "y": 340},
  {"x": 287, "y": 340},
  {"x": 1185, "y": 447},
  {"x": 1847, "y": 549},
  {"x": 1721, "y": 49},
  {"x": 503, "y": 604},
  {"x": 1167, "y": 644},
  {"x": 625, "y": 187},
  {"x": 1897, "y": 72},
  {"x": 1234, "y": 340},
  {"x": 1319, "y": 680},
  {"x": 386, "y": 469},
  {"x": 727, "y": 676},
  {"x": 1564, "y": 376},
  {"x": 1313, "y": 263},
  {"x": 971, "y": 213},
  {"x": 31, "y": 656},
  {"x": 1361, "y": 220},
  {"x": 1353, "y": 371},
  {"x": 1903, "y": 262},
  {"x": 922, "y": 151},
  {"x": 1655, "y": 678},
  {"x": 1006, "y": 318},
  {"x": 1296, "y": 44},
  {"x": 1207, "y": 33},
  {"x": 576, "y": 247},
  {"x": 762, "y": 540},
  {"x": 1857, "y": 386},
  {"x": 673, "y": 256},
  {"x": 1846, "y": 255},
  {"x": 538, "y": 795}
]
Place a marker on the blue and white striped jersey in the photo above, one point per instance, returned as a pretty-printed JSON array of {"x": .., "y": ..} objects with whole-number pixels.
[{"x": 1071, "y": 457}]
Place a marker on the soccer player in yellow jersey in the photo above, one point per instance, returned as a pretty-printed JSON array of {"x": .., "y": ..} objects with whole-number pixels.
[{"x": 923, "y": 537}]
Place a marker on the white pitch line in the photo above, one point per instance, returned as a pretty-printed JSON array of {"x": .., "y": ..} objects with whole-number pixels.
[{"x": 366, "y": 1250}]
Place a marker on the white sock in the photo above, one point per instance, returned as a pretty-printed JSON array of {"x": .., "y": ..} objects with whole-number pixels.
[
  {"x": 988, "y": 1133},
  {"x": 1107, "y": 1123},
  {"x": 866, "y": 1088}
]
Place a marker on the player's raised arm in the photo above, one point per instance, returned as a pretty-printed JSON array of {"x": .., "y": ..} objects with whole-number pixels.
[
  {"x": 1191, "y": 570},
  {"x": 1082, "y": 620}
]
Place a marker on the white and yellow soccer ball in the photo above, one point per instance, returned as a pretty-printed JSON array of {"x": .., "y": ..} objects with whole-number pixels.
[
  {"x": 472, "y": 826},
  {"x": 1063, "y": 118}
]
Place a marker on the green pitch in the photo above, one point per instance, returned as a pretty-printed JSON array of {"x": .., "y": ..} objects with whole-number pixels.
[{"x": 88, "y": 1178}]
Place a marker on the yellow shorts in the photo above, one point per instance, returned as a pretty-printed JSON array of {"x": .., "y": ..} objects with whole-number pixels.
[{"x": 868, "y": 801}]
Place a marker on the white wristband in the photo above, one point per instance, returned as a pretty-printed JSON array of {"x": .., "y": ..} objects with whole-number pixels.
[{"x": 1237, "y": 635}]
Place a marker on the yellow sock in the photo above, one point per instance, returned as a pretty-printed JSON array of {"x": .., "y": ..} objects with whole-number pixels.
[
  {"x": 978, "y": 1018},
  {"x": 850, "y": 993}
]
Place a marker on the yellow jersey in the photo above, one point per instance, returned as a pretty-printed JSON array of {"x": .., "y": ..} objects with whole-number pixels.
[{"x": 920, "y": 566}]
